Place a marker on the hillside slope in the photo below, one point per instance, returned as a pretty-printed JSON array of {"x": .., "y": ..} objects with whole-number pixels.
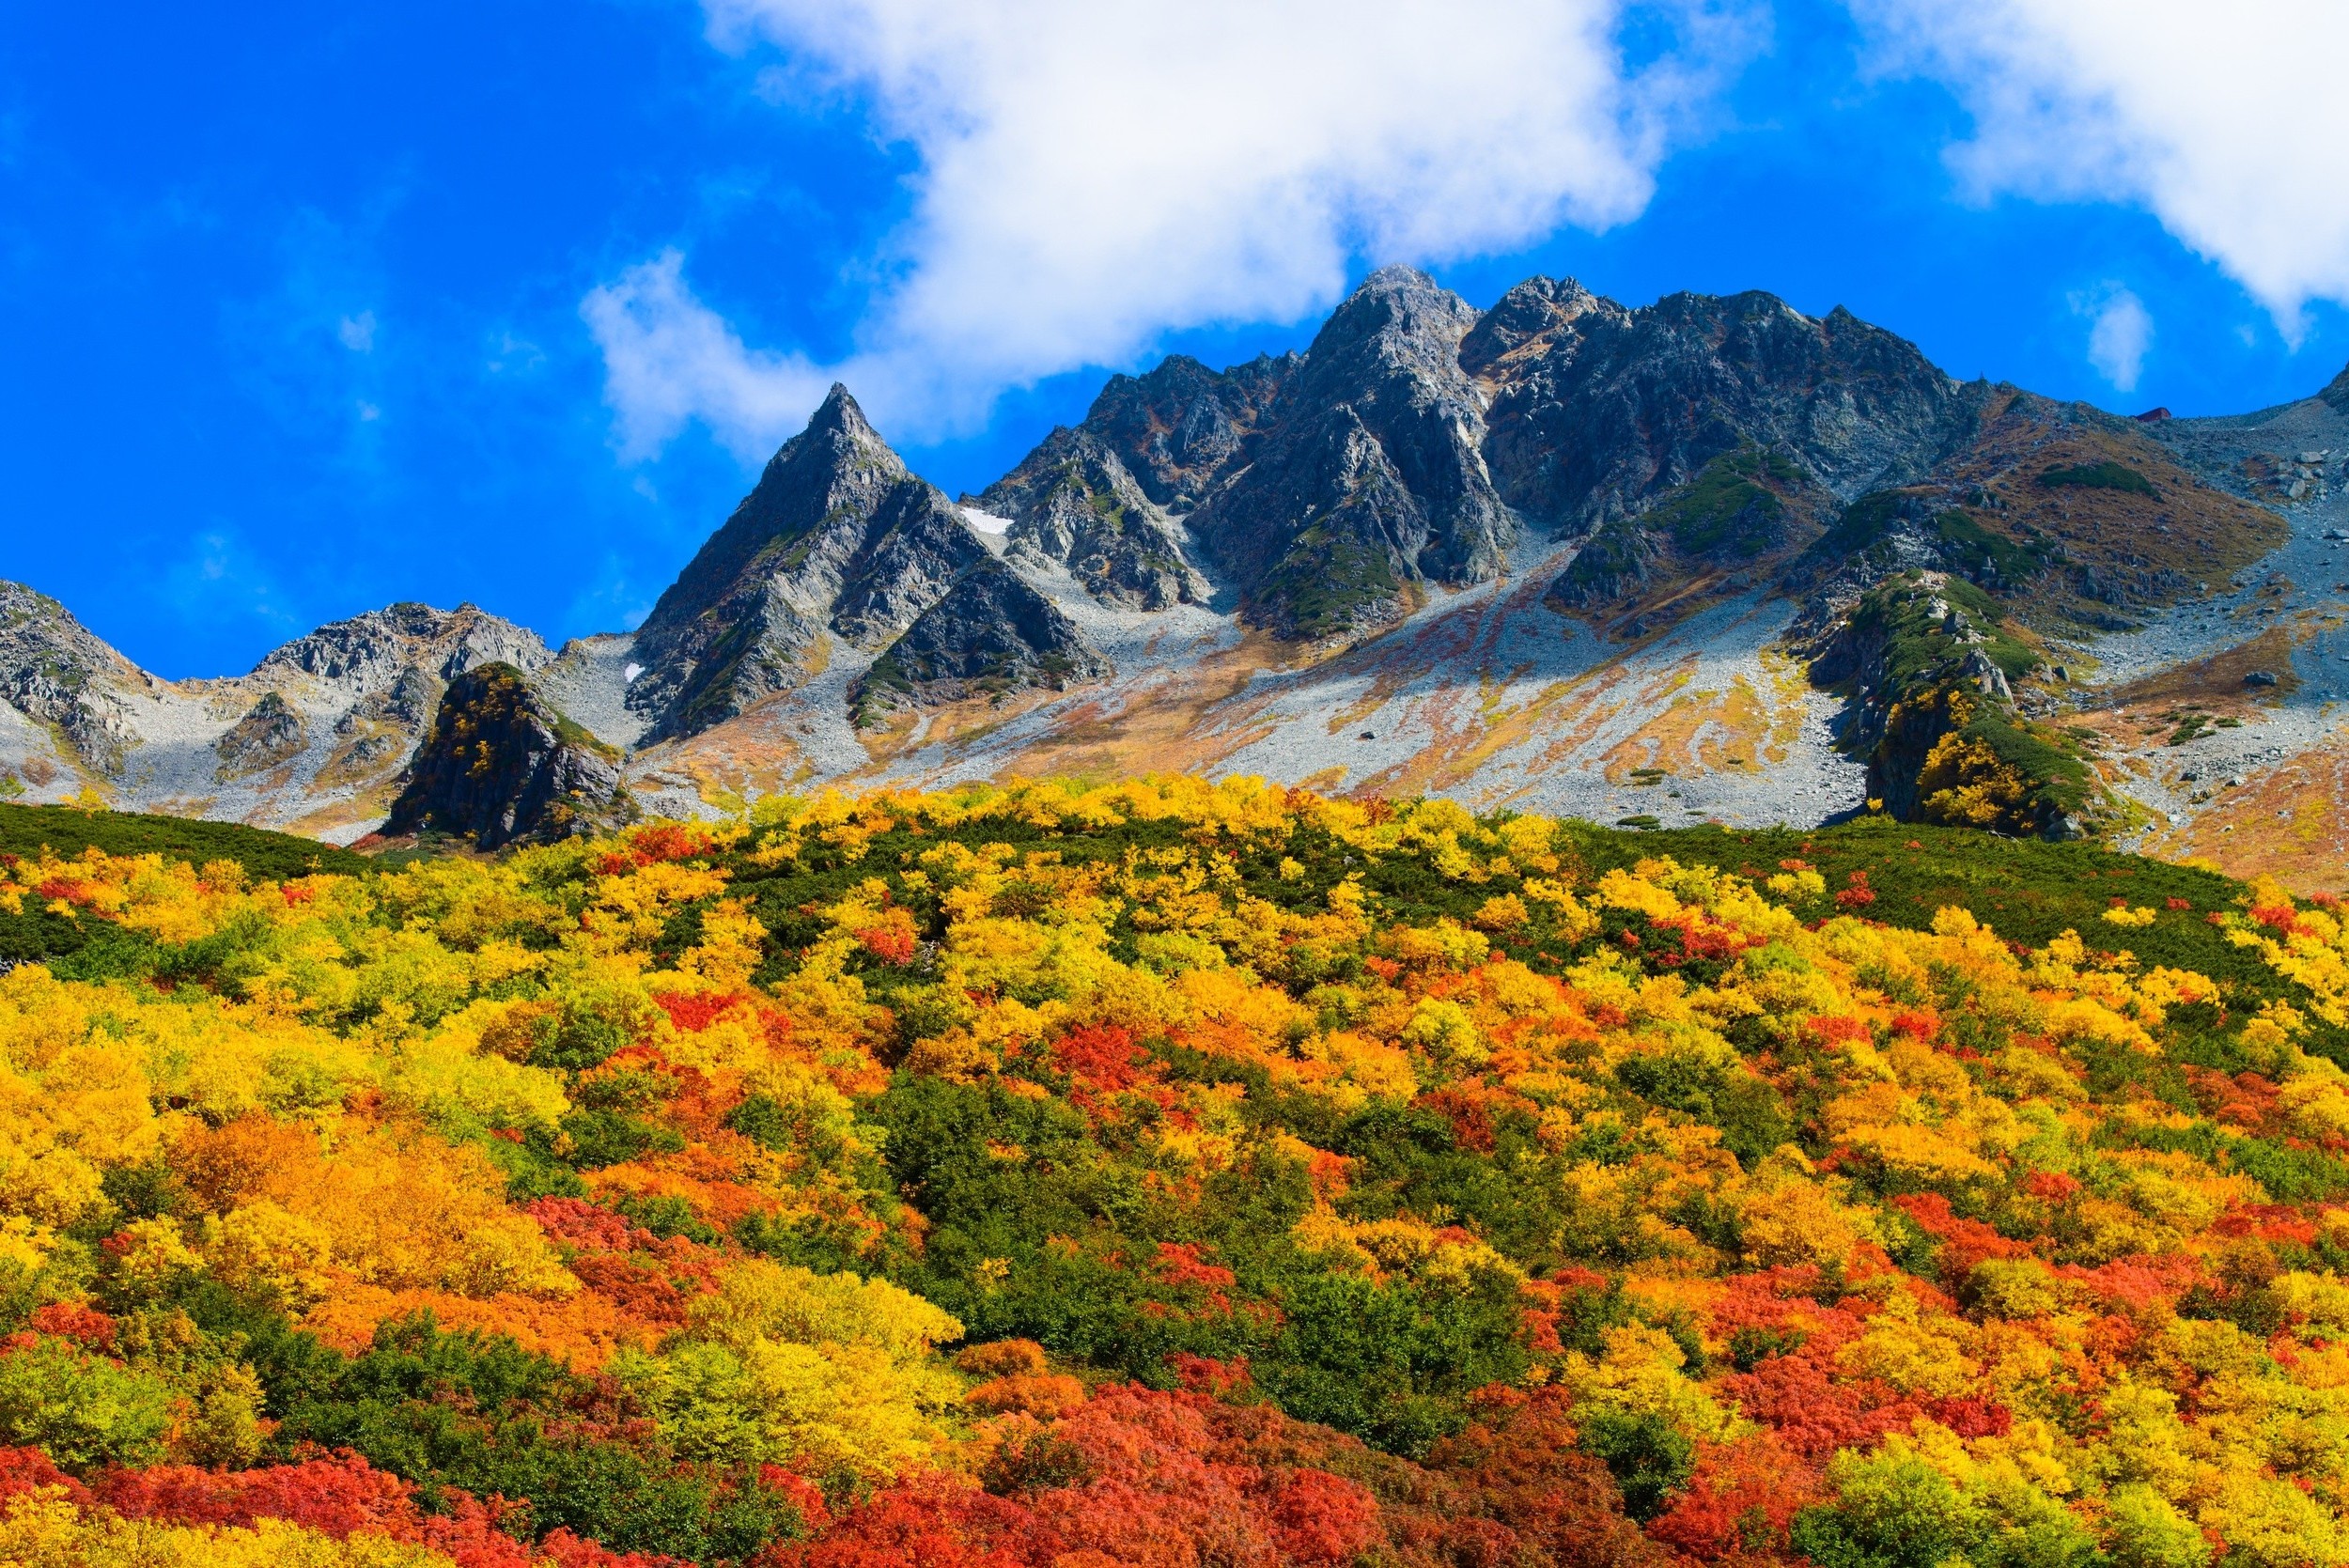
[{"x": 1177, "y": 1173}]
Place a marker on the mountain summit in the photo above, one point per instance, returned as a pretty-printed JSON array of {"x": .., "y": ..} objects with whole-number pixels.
[
  {"x": 836, "y": 537},
  {"x": 1711, "y": 556}
]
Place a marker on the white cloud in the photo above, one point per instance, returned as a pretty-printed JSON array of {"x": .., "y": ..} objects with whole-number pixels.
[
  {"x": 1095, "y": 173},
  {"x": 2228, "y": 122},
  {"x": 2121, "y": 330},
  {"x": 669, "y": 359},
  {"x": 357, "y": 331}
]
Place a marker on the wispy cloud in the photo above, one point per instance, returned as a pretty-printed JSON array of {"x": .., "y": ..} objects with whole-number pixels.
[
  {"x": 2120, "y": 331},
  {"x": 357, "y": 331},
  {"x": 1092, "y": 177},
  {"x": 669, "y": 359},
  {"x": 2227, "y": 123}
]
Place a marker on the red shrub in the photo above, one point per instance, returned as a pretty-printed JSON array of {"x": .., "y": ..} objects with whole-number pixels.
[
  {"x": 694, "y": 1014},
  {"x": 1742, "y": 1497},
  {"x": 1472, "y": 1122},
  {"x": 893, "y": 941},
  {"x": 28, "y": 1470},
  {"x": 86, "y": 1326},
  {"x": 1099, "y": 1057}
]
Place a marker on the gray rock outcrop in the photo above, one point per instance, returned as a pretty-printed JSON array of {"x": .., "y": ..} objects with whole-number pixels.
[
  {"x": 1072, "y": 502},
  {"x": 500, "y": 765},
  {"x": 1183, "y": 428},
  {"x": 836, "y": 536},
  {"x": 57, "y": 672},
  {"x": 991, "y": 633}
]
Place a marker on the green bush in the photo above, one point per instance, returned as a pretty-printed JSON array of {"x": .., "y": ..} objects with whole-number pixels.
[{"x": 87, "y": 1410}]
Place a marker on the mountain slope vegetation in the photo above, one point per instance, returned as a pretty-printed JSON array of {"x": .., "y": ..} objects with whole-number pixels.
[{"x": 1166, "y": 1174}]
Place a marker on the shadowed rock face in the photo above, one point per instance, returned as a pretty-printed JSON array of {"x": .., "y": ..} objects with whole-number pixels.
[
  {"x": 836, "y": 536},
  {"x": 991, "y": 633},
  {"x": 1073, "y": 502},
  {"x": 1371, "y": 474},
  {"x": 1182, "y": 428},
  {"x": 500, "y": 765},
  {"x": 1596, "y": 410}
]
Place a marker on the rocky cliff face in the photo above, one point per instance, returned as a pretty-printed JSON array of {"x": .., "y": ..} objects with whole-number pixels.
[
  {"x": 56, "y": 673},
  {"x": 837, "y": 537},
  {"x": 990, "y": 634},
  {"x": 1369, "y": 474},
  {"x": 1601, "y": 409},
  {"x": 501, "y": 765},
  {"x": 1416, "y": 440},
  {"x": 1073, "y": 502},
  {"x": 2336, "y": 392},
  {"x": 1183, "y": 427}
]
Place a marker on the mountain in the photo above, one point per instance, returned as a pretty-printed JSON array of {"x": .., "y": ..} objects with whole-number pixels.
[
  {"x": 1367, "y": 476},
  {"x": 1705, "y": 559},
  {"x": 501, "y": 765},
  {"x": 314, "y": 739},
  {"x": 1182, "y": 425},
  {"x": 837, "y": 539},
  {"x": 1073, "y": 502},
  {"x": 991, "y": 632}
]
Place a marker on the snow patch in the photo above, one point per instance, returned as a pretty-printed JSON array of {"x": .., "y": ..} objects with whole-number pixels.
[{"x": 985, "y": 522}]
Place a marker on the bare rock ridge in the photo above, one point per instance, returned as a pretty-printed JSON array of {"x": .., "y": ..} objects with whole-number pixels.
[
  {"x": 838, "y": 538},
  {"x": 1073, "y": 502},
  {"x": 501, "y": 765},
  {"x": 55, "y": 673},
  {"x": 1182, "y": 427},
  {"x": 991, "y": 632},
  {"x": 1598, "y": 409},
  {"x": 374, "y": 650},
  {"x": 1369, "y": 474},
  {"x": 1416, "y": 441}
]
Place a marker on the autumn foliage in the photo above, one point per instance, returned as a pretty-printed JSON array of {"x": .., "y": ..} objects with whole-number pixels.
[{"x": 1157, "y": 1177}]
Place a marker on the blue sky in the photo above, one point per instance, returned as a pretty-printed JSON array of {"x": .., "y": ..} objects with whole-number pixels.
[{"x": 299, "y": 306}]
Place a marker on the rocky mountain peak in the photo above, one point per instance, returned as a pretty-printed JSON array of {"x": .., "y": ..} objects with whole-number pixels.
[
  {"x": 1178, "y": 427},
  {"x": 837, "y": 538},
  {"x": 1369, "y": 474},
  {"x": 1538, "y": 317},
  {"x": 1632, "y": 404},
  {"x": 1400, "y": 318},
  {"x": 372, "y": 649},
  {"x": 1073, "y": 502}
]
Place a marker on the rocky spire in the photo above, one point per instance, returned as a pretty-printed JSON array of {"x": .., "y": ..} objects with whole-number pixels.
[
  {"x": 837, "y": 538},
  {"x": 1371, "y": 474}
]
